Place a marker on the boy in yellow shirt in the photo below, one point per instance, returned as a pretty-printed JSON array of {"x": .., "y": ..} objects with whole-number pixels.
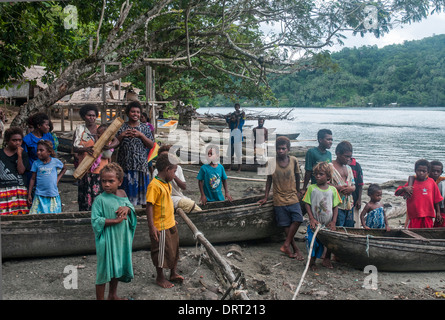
[{"x": 161, "y": 222}]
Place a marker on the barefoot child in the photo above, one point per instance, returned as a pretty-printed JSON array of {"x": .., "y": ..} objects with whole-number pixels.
[
  {"x": 46, "y": 179},
  {"x": 161, "y": 222},
  {"x": 13, "y": 164},
  {"x": 373, "y": 210},
  {"x": 321, "y": 201},
  {"x": 114, "y": 222},
  {"x": 423, "y": 204},
  {"x": 286, "y": 189}
]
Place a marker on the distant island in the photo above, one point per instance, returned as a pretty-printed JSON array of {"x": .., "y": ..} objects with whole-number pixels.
[{"x": 407, "y": 75}]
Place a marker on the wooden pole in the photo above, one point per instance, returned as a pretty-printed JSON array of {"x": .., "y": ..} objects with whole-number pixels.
[
  {"x": 106, "y": 137},
  {"x": 222, "y": 263}
]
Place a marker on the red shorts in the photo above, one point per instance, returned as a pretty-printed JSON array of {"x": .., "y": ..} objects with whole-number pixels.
[{"x": 426, "y": 222}]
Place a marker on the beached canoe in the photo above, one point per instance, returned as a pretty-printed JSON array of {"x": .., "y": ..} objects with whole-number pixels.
[
  {"x": 395, "y": 250},
  {"x": 71, "y": 233}
]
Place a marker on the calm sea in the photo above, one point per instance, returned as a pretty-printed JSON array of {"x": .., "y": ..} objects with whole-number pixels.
[{"x": 386, "y": 141}]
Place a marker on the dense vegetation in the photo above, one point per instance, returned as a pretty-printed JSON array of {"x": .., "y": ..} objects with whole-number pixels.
[{"x": 409, "y": 74}]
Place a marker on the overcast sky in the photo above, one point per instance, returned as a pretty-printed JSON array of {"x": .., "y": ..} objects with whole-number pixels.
[{"x": 434, "y": 24}]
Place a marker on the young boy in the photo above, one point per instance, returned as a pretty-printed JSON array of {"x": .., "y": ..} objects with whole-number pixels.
[
  {"x": 212, "y": 177},
  {"x": 161, "y": 223},
  {"x": 423, "y": 204},
  {"x": 286, "y": 189},
  {"x": 317, "y": 154},
  {"x": 343, "y": 181},
  {"x": 321, "y": 201}
]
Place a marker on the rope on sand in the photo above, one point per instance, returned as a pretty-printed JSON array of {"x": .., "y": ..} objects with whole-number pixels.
[{"x": 308, "y": 261}]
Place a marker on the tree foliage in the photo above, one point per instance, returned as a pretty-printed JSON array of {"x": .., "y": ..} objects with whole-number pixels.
[
  {"x": 196, "y": 47},
  {"x": 409, "y": 74}
]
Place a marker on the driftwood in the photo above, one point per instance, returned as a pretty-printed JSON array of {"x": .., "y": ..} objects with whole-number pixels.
[
  {"x": 106, "y": 137},
  {"x": 222, "y": 263}
]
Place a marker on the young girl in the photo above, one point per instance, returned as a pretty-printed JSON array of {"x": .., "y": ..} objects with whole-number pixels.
[
  {"x": 13, "y": 164},
  {"x": 161, "y": 222},
  {"x": 45, "y": 178},
  {"x": 374, "y": 212},
  {"x": 105, "y": 157},
  {"x": 114, "y": 222},
  {"x": 321, "y": 201}
]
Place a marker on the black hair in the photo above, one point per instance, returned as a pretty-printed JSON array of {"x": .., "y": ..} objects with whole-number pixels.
[
  {"x": 322, "y": 133},
  {"x": 436, "y": 163},
  {"x": 422, "y": 162},
  {"x": 163, "y": 162},
  {"x": 373, "y": 188},
  {"x": 342, "y": 147},
  {"x": 38, "y": 119},
  {"x": 132, "y": 104},
  {"x": 12, "y": 131},
  {"x": 88, "y": 107},
  {"x": 48, "y": 145}
]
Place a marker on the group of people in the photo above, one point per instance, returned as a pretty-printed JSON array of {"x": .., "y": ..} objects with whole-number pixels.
[{"x": 331, "y": 190}]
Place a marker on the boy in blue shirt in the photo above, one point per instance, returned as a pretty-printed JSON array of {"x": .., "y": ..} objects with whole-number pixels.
[{"x": 212, "y": 177}]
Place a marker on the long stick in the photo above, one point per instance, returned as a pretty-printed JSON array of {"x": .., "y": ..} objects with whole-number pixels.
[
  {"x": 227, "y": 270},
  {"x": 308, "y": 261}
]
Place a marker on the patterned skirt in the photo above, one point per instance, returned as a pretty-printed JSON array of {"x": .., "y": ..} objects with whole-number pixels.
[
  {"x": 42, "y": 204},
  {"x": 375, "y": 219},
  {"x": 135, "y": 185},
  {"x": 13, "y": 200},
  {"x": 88, "y": 189}
]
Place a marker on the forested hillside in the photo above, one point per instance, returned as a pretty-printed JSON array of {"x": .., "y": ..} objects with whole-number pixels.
[{"x": 409, "y": 74}]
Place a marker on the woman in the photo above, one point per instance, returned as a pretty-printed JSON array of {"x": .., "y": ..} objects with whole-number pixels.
[
  {"x": 89, "y": 186},
  {"x": 135, "y": 140}
]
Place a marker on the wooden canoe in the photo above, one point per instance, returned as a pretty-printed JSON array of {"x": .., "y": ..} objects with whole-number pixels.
[
  {"x": 69, "y": 233},
  {"x": 395, "y": 250}
]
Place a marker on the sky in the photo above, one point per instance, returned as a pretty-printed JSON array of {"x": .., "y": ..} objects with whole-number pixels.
[{"x": 433, "y": 25}]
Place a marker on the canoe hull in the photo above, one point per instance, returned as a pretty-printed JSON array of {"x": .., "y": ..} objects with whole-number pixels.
[
  {"x": 71, "y": 233},
  {"x": 387, "y": 251}
]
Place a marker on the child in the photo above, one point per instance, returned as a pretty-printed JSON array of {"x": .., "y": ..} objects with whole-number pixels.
[
  {"x": 286, "y": 189},
  {"x": 145, "y": 119},
  {"x": 105, "y": 157},
  {"x": 423, "y": 204},
  {"x": 211, "y": 177},
  {"x": 13, "y": 164},
  {"x": 161, "y": 223},
  {"x": 45, "y": 178},
  {"x": 373, "y": 210},
  {"x": 316, "y": 155},
  {"x": 321, "y": 202},
  {"x": 343, "y": 180},
  {"x": 114, "y": 222}
]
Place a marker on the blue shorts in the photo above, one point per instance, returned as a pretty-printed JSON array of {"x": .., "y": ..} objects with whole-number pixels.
[
  {"x": 286, "y": 215},
  {"x": 345, "y": 218}
]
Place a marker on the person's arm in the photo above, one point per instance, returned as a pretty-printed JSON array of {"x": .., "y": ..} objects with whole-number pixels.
[
  {"x": 227, "y": 196},
  {"x": 307, "y": 178},
  {"x": 362, "y": 216},
  {"x": 266, "y": 195},
  {"x": 32, "y": 182},
  {"x": 358, "y": 203},
  {"x": 203, "y": 198},
  {"x": 331, "y": 225},
  {"x": 61, "y": 173},
  {"x": 154, "y": 232},
  {"x": 386, "y": 221},
  {"x": 20, "y": 166},
  {"x": 438, "y": 215},
  {"x": 113, "y": 145},
  {"x": 312, "y": 221}
]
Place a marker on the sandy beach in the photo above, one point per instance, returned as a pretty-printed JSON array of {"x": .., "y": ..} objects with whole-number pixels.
[{"x": 268, "y": 273}]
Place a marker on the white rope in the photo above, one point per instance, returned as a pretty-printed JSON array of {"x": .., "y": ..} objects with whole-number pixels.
[{"x": 308, "y": 260}]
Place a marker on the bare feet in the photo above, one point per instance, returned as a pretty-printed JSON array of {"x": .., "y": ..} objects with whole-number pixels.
[
  {"x": 176, "y": 278},
  {"x": 327, "y": 263},
  {"x": 296, "y": 255},
  {"x": 163, "y": 283}
]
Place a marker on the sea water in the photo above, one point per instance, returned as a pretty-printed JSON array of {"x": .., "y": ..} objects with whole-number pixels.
[{"x": 386, "y": 141}]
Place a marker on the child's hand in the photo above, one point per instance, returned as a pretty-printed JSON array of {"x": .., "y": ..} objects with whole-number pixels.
[
  {"x": 154, "y": 233},
  {"x": 29, "y": 200},
  {"x": 313, "y": 223},
  {"x": 203, "y": 200},
  {"x": 262, "y": 201},
  {"x": 228, "y": 197},
  {"x": 123, "y": 212},
  {"x": 331, "y": 226}
]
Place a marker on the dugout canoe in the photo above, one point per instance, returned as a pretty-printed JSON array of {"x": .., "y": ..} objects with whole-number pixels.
[
  {"x": 71, "y": 233},
  {"x": 395, "y": 250}
]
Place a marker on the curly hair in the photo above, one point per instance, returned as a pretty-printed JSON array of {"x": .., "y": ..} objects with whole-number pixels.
[
  {"x": 88, "y": 107},
  {"x": 373, "y": 188},
  {"x": 48, "y": 145},
  {"x": 163, "y": 162},
  {"x": 324, "y": 167},
  {"x": 113, "y": 167},
  {"x": 283, "y": 141},
  {"x": 12, "y": 131},
  {"x": 422, "y": 162},
  {"x": 38, "y": 119},
  {"x": 132, "y": 104}
]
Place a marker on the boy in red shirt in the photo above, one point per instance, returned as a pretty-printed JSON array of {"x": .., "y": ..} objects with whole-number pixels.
[{"x": 423, "y": 204}]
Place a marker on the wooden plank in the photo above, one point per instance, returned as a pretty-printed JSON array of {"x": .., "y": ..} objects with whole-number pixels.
[{"x": 413, "y": 235}]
